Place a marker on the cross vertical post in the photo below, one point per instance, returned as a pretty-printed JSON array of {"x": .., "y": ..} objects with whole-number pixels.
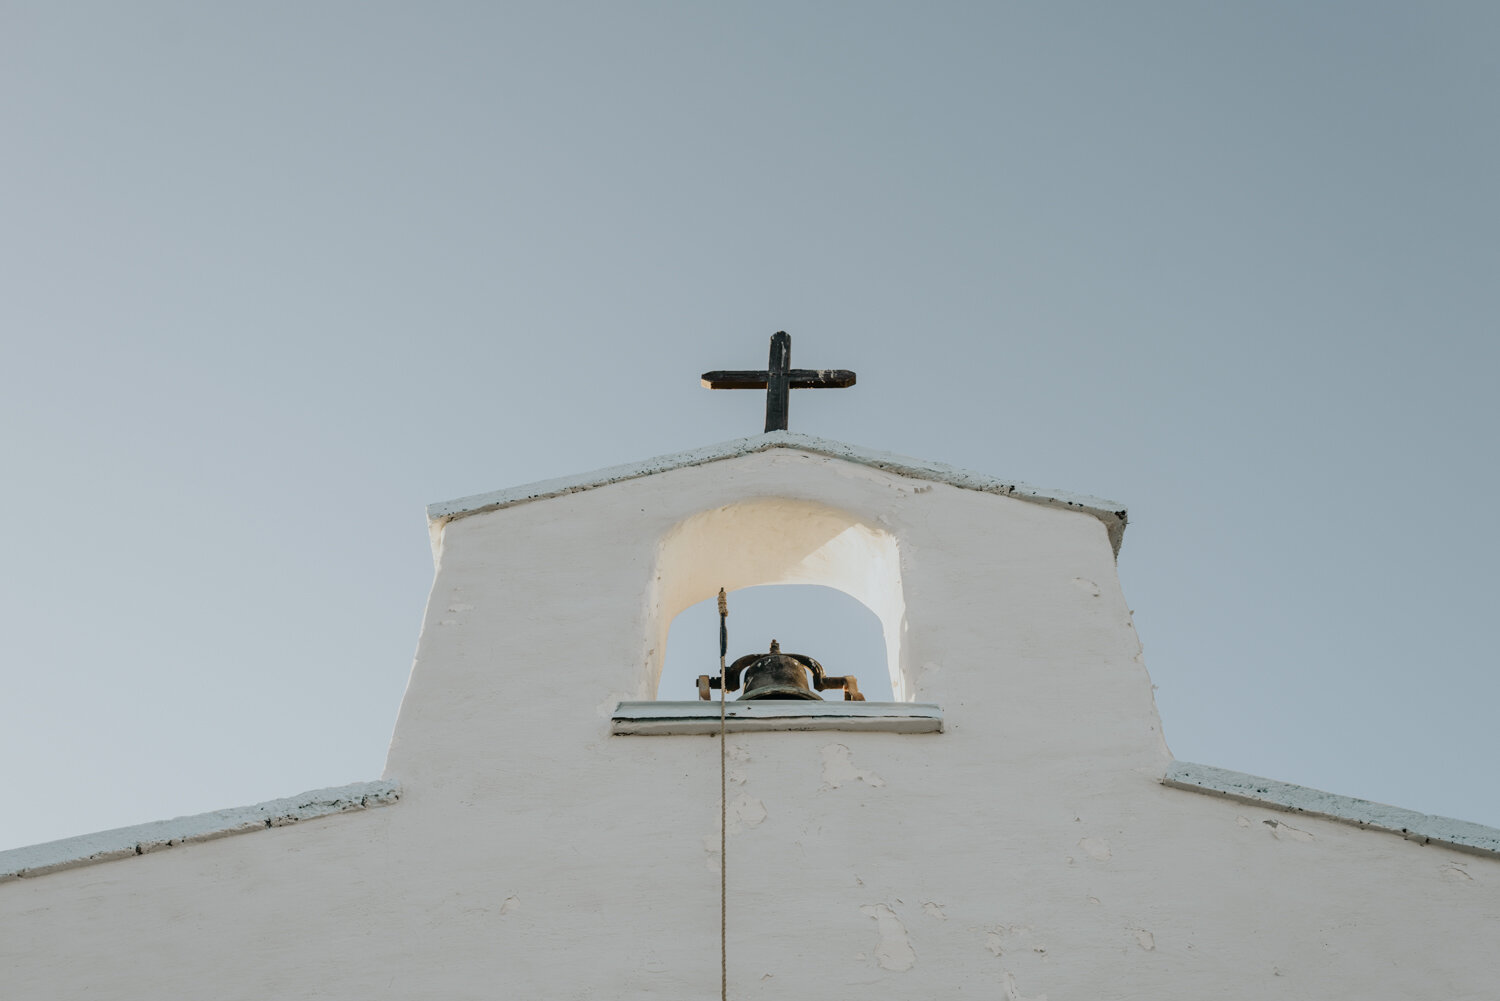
[{"x": 778, "y": 381}]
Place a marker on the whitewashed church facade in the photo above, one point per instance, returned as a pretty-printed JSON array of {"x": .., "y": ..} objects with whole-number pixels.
[{"x": 1012, "y": 827}]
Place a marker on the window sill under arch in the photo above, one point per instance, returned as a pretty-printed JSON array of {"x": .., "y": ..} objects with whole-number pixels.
[{"x": 669, "y": 718}]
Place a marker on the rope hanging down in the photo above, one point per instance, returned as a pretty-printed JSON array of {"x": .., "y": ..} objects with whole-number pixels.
[{"x": 723, "y": 806}]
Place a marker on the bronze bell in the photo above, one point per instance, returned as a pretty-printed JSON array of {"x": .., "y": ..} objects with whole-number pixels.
[
  {"x": 773, "y": 675},
  {"x": 777, "y": 675}
]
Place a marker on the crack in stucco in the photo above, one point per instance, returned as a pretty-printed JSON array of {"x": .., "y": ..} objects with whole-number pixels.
[{"x": 1278, "y": 829}]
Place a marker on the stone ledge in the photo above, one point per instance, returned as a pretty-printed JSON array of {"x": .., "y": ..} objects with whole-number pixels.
[
  {"x": 666, "y": 718},
  {"x": 1409, "y": 824},
  {"x": 142, "y": 839}
]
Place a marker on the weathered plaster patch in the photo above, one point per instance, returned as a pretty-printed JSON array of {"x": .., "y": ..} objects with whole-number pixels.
[
  {"x": 838, "y": 768},
  {"x": 1001, "y": 939},
  {"x": 738, "y": 754},
  {"x": 1012, "y": 994},
  {"x": 1095, "y": 848},
  {"x": 511, "y": 903},
  {"x": 894, "y": 951},
  {"x": 933, "y": 910},
  {"x": 1144, "y": 939},
  {"x": 744, "y": 811}
]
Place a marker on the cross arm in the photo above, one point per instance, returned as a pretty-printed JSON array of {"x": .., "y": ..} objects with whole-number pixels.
[{"x": 799, "y": 378}]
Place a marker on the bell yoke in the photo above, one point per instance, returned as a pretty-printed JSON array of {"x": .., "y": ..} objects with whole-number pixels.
[{"x": 777, "y": 675}]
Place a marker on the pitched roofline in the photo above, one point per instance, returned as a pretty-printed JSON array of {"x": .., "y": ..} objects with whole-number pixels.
[
  {"x": 1111, "y": 514},
  {"x": 1409, "y": 824},
  {"x": 143, "y": 839}
]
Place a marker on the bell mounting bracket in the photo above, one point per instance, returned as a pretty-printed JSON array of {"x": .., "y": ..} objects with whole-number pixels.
[{"x": 821, "y": 682}]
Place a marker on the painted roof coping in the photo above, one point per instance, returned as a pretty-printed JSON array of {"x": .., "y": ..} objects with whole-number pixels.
[
  {"x": 1409, "y": 824},
  {"x": 142, "y": 839},
  {"x": 1111, "y": 514}
]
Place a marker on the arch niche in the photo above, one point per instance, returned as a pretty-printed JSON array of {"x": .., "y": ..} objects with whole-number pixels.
[{"x": 777, "y": 540}]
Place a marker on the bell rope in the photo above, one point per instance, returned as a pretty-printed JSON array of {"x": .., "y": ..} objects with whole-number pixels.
[{"x": 723, "y": 807}]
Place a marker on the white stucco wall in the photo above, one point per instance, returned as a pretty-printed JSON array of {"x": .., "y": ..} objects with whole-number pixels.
[{"x": 1029, "y": 851}]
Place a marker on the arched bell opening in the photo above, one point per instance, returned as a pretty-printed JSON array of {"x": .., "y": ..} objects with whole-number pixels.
[
  {"x": 822, "y": 622},
  {"x": 777, "y": 541}
]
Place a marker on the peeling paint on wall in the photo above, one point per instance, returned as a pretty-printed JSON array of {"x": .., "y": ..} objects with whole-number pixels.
[
  {"x": 893, "y": 951},
  {"x": 738, "y": 754},
  {"x": 1002, "y": 939},
  {"x": 745, "y": 811}
]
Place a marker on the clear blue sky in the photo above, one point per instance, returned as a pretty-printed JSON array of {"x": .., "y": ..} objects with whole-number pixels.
[{"x": 276, "y": 275}]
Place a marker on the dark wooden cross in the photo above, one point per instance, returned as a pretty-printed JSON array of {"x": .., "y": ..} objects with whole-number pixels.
[{"x": 779, "y": 379}]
